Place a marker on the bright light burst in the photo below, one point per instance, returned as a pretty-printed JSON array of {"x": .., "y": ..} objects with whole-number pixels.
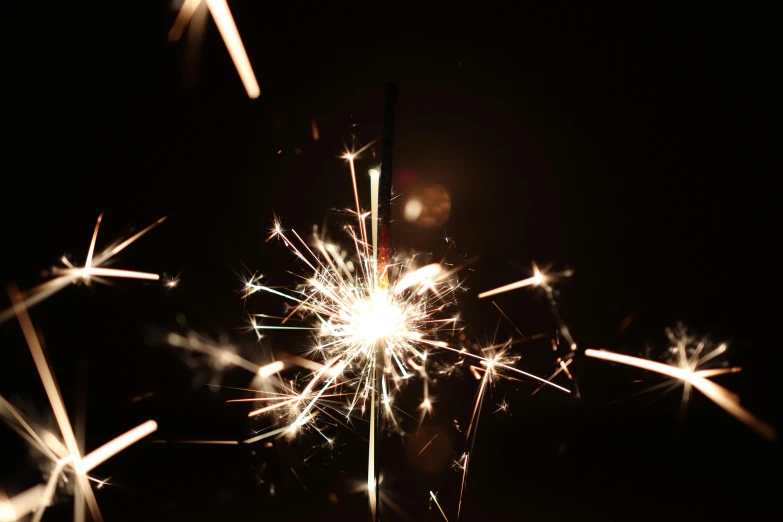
[
  {"x": 371, "y": 338},
  {"x": 374, "y": 327}
]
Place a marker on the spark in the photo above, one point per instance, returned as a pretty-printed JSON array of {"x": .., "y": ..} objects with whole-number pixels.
[
  {"x": 538, "y": 279},
  {"x": 65, "y": 455},
  {"x": 223, "y": 353},
  {"x": 183, "y": 18},
  {"x": 93, "y": 269},
  {"x": 686, "y": 371},
  {"x": 464, "y": 467},
  {"x": 435, "y": 499},
  {"x": 423, "y": 448},
  {"x": 230, "y": 34},
  {"x": 216, "y": 442},
  {"x": 115, "y": 446},
  {"x": 503, "y": 406},
  {"x": 21, "y": 504},
  {"x": 270, "y": 369}
]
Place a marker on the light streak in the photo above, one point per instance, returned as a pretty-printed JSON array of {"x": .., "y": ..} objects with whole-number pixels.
[
  {"x": 215, "y": 442},
  {"x": 427, "y": 445},
  {"x": 439, "y": 508},
  {"x": 92, "y": 270},
  {"x": 314, "y": 129},
  {"x": 228, "y": 30},
  {"x": 464, "y": 467},
  {"x": 716, "y": 393},
  {"x": 537, "y": 279},
  {"x": 111, "y": 448},
  {"x": 68, "y": 455},
  {"x": 270, "y": 369},
  {"x": 183, "y": 18},
  {"x": 230, "y": 34},
  {"x": 21, "y": 504}
]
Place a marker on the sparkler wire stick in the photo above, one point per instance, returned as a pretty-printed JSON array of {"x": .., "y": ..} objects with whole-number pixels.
[
  {"x": 385, "y": 194},
  {"x": 382, "y": 257}
]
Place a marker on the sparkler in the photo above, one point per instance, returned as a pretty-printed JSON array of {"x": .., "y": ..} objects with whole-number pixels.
[
  {"x": 372, "y": 335},
  {"x": 376, "y": 325},
  {"x": 65, "y": 455},
  {"x": 94, "y": 269},
  {"x": 690, "y": 370}
]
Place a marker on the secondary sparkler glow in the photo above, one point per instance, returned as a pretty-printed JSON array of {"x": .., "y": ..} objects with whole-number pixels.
[
  {"x": 690, "y": 357},
  {"x": 93, "y": 270},
  {"x": 67, "y": 455}
]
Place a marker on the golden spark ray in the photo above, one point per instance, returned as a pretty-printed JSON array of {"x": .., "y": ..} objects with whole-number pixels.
[
  {"x": 65, "y": 455},
  {"x": 230, "y": 34},
  {"x": 464, "y": 467},
  {"x": 699, "y": 380},
  {"x": 18, "y": 506},
  {"x": 223, "y": 353},
  {"x": 93, "y": 269},
  {"x": 184, "y": 15},
  {"x": 537, "y": 279},
  {"x": 435, "y": 499},
  {"x": 216, "y": 442}
]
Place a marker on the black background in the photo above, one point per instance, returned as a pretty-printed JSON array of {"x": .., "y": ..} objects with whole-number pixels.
[{"x": 637, "y": 145}]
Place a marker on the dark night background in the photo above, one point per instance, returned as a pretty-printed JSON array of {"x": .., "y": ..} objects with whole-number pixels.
[{"x": 636, "y": 145}]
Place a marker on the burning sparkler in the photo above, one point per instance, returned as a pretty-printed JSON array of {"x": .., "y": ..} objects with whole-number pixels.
[
  {"x": 376, "y": 325},
  {"x": 94, "y": 269}
]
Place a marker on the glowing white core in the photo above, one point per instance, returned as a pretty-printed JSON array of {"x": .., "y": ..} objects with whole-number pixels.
[{"x": 377, "y": 318}]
